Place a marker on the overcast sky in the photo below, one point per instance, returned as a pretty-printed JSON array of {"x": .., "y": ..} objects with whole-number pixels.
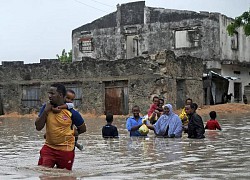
[{"x": 31, "y": 30}]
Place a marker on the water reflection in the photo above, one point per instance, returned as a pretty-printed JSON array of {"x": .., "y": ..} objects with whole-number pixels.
[
  {"x": 44, "y": 177},
  {"x": 221, "y": 155}
]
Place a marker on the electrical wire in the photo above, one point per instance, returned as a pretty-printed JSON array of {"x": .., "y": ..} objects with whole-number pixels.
[
  {"x": 90, "y": 6},
  {"x": 102, "y": 3}
]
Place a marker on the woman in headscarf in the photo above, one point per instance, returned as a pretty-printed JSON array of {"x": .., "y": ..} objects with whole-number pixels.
[{"x": 168, "y": 125}]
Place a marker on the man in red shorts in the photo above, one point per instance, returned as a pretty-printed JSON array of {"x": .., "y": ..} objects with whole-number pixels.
[{"x": 60, "y": 136}]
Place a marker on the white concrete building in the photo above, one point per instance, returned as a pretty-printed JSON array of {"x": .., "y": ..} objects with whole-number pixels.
[{"x": 234, "y": 59}]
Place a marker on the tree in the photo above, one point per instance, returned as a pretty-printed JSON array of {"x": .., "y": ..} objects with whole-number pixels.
[
  {"x": 65, "y": 57},
  {"x": 240, "y": 21}
]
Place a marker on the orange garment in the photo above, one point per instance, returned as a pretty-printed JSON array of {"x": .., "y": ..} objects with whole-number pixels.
[{"x": 59, "y": 131}]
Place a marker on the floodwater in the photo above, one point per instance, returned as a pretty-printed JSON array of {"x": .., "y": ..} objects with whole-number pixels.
[{"x": 221, "y": 155}]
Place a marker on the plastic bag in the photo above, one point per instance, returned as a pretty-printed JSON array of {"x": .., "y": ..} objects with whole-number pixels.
[{"x": 143, "y": 129}]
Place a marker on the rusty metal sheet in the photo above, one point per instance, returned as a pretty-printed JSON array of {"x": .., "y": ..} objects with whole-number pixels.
[{"x": 113, "y": 100}]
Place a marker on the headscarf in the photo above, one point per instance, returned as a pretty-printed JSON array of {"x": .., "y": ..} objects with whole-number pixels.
[
  {"x": 169, "y": 106},
  {"x": 171, "y": 120}
]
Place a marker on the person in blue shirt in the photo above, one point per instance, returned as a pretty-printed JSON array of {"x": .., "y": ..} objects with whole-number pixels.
[{"x": 135, "y": 122}]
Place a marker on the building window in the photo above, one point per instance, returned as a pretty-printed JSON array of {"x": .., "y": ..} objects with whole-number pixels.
[
  {"x": 234, "y": 41},
  {"x": 77, "y": 88},
  {"x": 31, "y": 96},
  {"x": 236, "y": 72},
  {"x": 132, "y": 46},
  {"x": 187, "y": 38},
  {"x": 85, "y": 32},
  {"x": 131, "y": 30},
  {"x": 85, "y": 44}
]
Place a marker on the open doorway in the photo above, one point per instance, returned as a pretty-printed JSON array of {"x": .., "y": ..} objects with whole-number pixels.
[
  {"x": 237, "y": 92},
  {"x": 132, "y": 46},
  {"x": 180, "y": 101}
]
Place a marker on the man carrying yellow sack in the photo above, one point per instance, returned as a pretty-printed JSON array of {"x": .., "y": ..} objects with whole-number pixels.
[
  {"x": 183, "y": 116},
  {"x": 135, "y": 122}
]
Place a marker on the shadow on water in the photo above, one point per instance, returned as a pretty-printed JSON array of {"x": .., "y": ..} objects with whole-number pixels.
[{"x": 221, "y": 155}]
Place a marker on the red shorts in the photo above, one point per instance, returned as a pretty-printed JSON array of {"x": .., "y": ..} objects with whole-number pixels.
[{"x": 50, "y": 157}]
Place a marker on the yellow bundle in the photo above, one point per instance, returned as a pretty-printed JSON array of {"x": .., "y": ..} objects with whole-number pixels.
[{"x": 143, "y": 129}]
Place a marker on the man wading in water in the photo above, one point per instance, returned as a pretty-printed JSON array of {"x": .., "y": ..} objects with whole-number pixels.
[{"x": 60, "y": 141}]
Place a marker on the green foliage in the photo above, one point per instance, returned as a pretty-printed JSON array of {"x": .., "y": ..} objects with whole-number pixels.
[
  {"x": 241, "y": 21},
  {"x": 65, "y": 57}
]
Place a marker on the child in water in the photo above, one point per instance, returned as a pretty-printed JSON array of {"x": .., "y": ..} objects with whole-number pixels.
[
  {"x": 109, "y": 131},
  {"x": 212, "y": 124},
  {"x": 70, "y": 96}
]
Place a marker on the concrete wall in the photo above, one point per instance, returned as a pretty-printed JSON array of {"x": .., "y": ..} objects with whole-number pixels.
[
  {"x": 243, "y": 77},
  {"x": 146, "y": 76},
  {"x": 157, "y": 29}
]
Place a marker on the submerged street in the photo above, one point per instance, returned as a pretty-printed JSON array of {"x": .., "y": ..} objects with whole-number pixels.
[{"x": 222, "y": 154}]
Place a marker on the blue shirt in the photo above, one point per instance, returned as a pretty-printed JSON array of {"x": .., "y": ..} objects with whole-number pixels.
[{"x": 131, "y": 122}]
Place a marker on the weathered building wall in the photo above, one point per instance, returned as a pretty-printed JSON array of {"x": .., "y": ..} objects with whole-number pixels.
[
  {"x": 162, "y": 32},
  {"x": 235, "y": 56},
  {"x": 135, "y": 29},
  {"x": 152, "y": 29},
  {"x": 235, "y": 48},
  {"x": 144, "y": 77}
]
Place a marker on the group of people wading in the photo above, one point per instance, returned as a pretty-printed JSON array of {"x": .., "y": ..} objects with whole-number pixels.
[
  {"x": 165, "y": 123},
  {"x": 64, "y": 124}
]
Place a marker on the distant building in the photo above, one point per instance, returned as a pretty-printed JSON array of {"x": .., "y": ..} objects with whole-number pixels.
[{"x": 135, "y": 30}]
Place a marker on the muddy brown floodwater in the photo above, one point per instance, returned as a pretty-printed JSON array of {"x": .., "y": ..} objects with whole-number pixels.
[{"x": 221, "y": 155}]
